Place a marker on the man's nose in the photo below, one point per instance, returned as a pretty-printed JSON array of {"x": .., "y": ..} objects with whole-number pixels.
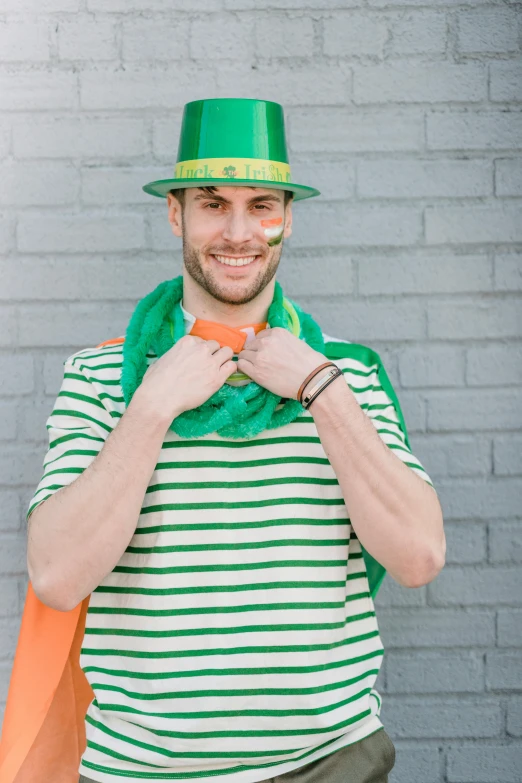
[{"x": 238, "y": 228}]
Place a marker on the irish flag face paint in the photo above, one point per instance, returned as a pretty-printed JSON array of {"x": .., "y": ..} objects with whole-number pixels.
[{"x": 273, "y": 230}]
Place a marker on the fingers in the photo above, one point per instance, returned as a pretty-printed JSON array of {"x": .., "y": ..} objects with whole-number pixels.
[
  {"x": 247, "y": 355},
  {"x": 224, "y": 354},
  {"x": 214, "y": 345},
  {"x": 245, "y": 366},
  {"x": 227, "y": 369},
  {"x": 254, "y": 345}
]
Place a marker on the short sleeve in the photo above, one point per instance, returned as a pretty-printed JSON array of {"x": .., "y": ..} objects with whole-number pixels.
[
  {"x": 385, "y": 412},
  {"x": 77, "y": 427}
]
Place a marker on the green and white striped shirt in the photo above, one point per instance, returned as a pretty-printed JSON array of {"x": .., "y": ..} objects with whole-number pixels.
[{"x": 236, "y": 637}]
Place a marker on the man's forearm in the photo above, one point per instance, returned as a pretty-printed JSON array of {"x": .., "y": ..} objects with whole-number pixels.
[
  {"x": 395, "y": 513},
  {"x": 77, "y": 535}
]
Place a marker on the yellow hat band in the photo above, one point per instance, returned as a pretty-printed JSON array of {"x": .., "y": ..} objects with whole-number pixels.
[{"x": 233, "y": 168}]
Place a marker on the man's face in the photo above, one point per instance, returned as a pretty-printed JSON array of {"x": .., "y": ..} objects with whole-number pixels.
[{"x": 226, "y": 225}]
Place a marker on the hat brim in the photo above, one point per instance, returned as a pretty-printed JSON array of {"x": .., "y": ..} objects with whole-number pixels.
[{"x": 161, "y": 187}]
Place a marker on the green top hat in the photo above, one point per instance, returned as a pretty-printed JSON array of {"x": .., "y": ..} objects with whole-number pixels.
[{"x": 227, "y": 141}]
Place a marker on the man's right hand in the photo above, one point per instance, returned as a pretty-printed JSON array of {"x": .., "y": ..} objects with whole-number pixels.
[{"x": 186, "y": 376}]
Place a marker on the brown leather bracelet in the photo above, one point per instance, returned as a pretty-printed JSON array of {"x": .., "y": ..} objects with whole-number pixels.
[
  {"x": 330, "y": 380},
  {"x": 312, "y": 375}
]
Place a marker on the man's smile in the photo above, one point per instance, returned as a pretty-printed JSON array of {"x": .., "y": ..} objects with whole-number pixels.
[{"x": 235, "y": 261}]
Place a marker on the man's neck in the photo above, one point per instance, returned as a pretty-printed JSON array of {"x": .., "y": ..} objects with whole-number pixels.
[{"x": 203, "y": 305}]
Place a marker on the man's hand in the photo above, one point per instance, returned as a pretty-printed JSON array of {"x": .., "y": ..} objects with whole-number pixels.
[
  {"x": 186, "y": 376},
  {"x": 279, "y": 361}
]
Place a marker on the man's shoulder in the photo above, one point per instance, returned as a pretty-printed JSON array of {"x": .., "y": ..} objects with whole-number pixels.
[
  {"x": 91, "y": 358},
  {"x": 335, "y": 348}
]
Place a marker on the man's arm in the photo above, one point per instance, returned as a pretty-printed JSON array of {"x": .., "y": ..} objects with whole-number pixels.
[
  {"x": 77, "y": 536},
  {"x": 86, "y": 508},
  {"x": 396, "y": 515}
]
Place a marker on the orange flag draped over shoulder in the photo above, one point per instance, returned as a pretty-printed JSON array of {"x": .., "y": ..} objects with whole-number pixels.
[{"x": 43, "y": 735}]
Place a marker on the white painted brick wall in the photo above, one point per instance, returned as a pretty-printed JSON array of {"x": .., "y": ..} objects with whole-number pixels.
[
  {"x": 22, "y": 41},
  {"x": 488, "y": 31},
  {"x": 284, "y": 35},
  {"x": 354, "y": 34},
  {"x": 418, "y": 32},
  {"x": 407, "y": 115},
  {"x": 406, "y": 81},
  {"x": 481, "y": 131},
  {"x": 506, "y": 81},
  {"x": 508, "y": 177},
  {"x": 85, "y": 39},
  {"x": 144, "y": 39}
]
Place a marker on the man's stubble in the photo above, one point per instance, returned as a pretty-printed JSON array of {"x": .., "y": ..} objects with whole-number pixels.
[{"x": 194, "y": 268}]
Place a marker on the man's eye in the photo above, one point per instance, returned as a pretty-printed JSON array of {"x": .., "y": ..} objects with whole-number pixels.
[{"x": 214, "y": 204}]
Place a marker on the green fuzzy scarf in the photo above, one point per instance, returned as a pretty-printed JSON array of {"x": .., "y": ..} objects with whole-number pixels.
[{"x": 232, "y": 411}]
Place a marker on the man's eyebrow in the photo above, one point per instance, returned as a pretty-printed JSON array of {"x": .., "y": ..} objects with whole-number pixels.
[
  {"x": 223, "y": 200},
  {"x": 268, "y": 197}
]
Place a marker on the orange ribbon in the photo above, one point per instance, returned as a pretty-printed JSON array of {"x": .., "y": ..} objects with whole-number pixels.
[{"x": 233, "y": 336}]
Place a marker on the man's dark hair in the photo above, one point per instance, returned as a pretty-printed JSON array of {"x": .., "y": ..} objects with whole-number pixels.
[{"x": 179, "y": 193}]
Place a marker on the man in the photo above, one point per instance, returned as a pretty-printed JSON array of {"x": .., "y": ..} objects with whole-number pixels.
[{"x": 228, "y": 624}]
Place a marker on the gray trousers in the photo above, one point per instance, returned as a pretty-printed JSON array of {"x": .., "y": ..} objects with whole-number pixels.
[{"x": 366, "y": 761}]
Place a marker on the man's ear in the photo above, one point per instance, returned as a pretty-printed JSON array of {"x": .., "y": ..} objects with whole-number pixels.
[
  {"x": 174, "y": 214},
  {"x": 288, "y": 220}
]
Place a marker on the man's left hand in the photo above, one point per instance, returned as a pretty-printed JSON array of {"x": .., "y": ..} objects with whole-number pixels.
[{"x": 279, "y": 361}]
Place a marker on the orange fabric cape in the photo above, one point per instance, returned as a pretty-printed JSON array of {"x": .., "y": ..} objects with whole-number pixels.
[{"x": 43, "y": 736}]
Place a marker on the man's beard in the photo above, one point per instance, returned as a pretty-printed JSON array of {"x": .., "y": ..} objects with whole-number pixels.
[{"x": 242, "y": 292}]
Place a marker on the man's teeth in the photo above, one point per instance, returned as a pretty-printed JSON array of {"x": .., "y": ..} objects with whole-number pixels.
[{"x": 235, "y": 261}]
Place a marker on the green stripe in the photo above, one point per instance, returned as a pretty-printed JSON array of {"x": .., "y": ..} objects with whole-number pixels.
[
  {"x": 114, "y": 754},
  {"x": 234, "y": 588},
  {"x": 362, "y": 389},
  {"x": 376, "y": 696},
  {"x": 51, "y": 486},
  {"x": 178, "y": 632},
  {"x": 145, "y": 550},
  {"x": 218, "y": 588},
  {"x": 218, "y": 609},
  {"x": 378, "y": 406},
  {"x": 192, "y": 569},
  {"x": 111, "y": 350},
  {"x": 232, "y": 693},
  {"x": 243, "y": 484},
  {"x": 228, "y": 588},
  {"x": 62, "y": 470},
  {"x": 238, "y": 444},
  {"x": 107, "y": 366},
  {"x": 245, "y": 504},
  {"x": 246, "y": 525},
  {"x": 240, "y": 713},
  {"x": 107, "y": 396},
  {"x": 197, "y": 775},
  {"x": 82, "y": 398},
  {"x": 107, "y": 382},
  {"x": 236, "y": 671},
  {"x": 82, "y": 416},
  {"x": 77, "y": 377},
  {"x": 73, "y": 452},
  {"x": 353, "y": 371},
  {"x": 65, "y": 438},
  {"x": 271, "y": 648},
  {"x": 385, "y": 420},
  {"x": 253, "y": 463}
]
